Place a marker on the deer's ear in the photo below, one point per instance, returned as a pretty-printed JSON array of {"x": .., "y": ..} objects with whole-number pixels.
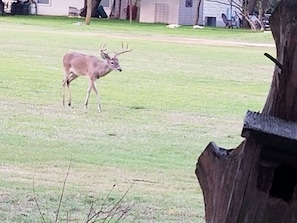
[{"x": 105, "y": 56}]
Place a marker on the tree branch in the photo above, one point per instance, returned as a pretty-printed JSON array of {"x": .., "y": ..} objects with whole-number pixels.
[
  {"x": 37, "y": 204},
  {"x": 109, "y": 213},
  {"x": 274, "y": 60},
  {"x": 223, "y": 3},
  {"x": 62, "y": 193}
]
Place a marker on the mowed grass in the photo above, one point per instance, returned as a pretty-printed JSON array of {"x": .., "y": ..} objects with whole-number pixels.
[{"x": 179, "y": 90}]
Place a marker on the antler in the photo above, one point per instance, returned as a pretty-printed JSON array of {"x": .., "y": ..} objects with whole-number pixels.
[
  {"x": 124, "y": 49},
  {"x": 103, "y": 52}
]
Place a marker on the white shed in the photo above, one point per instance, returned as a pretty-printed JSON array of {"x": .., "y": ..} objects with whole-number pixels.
[{"x": 184, "y": 12}]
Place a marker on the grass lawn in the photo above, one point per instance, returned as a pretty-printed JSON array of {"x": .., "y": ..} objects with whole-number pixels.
[{"x": 179, "y": 90}]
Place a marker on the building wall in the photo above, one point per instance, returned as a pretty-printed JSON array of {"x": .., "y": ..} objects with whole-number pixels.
[
  {"x": 170, "y": 12},
  {"x": 210, "y": 12},
  {"x": 215, "y": 9},
  {"x": 188, "y": 13},
  {"x": 152, "y": 11},
  {"x": 163, "y": 11},
  {"x": 51, "y": 7},
  {"x": 61, "y": 7},
  {"x": 58, "y": 7}
]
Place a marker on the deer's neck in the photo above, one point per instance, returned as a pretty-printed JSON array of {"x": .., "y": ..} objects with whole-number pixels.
[{"x": 106, "y": 71}]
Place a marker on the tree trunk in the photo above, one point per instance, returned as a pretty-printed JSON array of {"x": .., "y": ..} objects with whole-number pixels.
[
  {"x": 282, "y": 98},
  {"x": 94, "y": 7},
  {"x": 257, "y": 181},
  {"x": 249, "y": 6},
  {"x": 89, "y": 12},
  {"x": 264, "y": 5},
  {"x": 198, "y": 13},
  {"x": 130, "y": 11}
]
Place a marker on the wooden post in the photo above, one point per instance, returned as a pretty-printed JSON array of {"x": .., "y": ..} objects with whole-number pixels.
[{"x": 257, "y": 181}]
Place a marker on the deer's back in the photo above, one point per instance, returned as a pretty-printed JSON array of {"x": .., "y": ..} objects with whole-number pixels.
[{"x": 82, "y": 64}]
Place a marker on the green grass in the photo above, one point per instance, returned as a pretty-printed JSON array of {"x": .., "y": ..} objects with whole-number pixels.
[{"x": 174, "y": 96}]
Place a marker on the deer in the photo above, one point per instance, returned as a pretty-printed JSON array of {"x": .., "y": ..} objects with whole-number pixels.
[{"x": 78, "y": 64}]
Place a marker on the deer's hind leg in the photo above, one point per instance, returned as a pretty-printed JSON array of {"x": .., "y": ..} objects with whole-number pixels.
[{"x": 67, "y": 80}]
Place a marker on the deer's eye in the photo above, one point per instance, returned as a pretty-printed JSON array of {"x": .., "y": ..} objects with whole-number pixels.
[{"x": 111, "y": 62}]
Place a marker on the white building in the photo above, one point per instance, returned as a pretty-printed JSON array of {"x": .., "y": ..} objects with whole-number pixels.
[{"x": 182, "y": 12}]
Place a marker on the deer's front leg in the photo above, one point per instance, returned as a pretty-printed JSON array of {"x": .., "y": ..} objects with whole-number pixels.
[
  {"x": 63, "y": 92},
  {"x": 97, "y": 95},
  {"x": 88, "y": 94}
]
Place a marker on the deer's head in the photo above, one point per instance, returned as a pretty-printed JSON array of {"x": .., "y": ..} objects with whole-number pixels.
[{"x": 113, "y": 62}]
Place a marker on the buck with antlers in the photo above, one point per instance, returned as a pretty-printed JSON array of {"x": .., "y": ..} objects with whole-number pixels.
[{"x": 77, "y": 64}]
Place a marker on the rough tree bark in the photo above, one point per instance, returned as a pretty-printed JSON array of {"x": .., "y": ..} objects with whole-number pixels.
[
  {"x": 249, "y": 6},
  {"x": 257, "y": 181},
  {"x": 89, "y": 12},
  {"x": 282, "y": 98}
]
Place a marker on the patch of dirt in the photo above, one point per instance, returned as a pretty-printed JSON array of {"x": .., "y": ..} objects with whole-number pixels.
[
  {"x": 172, "y": 39},
  {"x": 186, "y": 40}
]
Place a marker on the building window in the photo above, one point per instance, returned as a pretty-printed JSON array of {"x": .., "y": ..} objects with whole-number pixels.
[
  {"x": 189, "y": 3},
  {"x": 44, "y": 2}
]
